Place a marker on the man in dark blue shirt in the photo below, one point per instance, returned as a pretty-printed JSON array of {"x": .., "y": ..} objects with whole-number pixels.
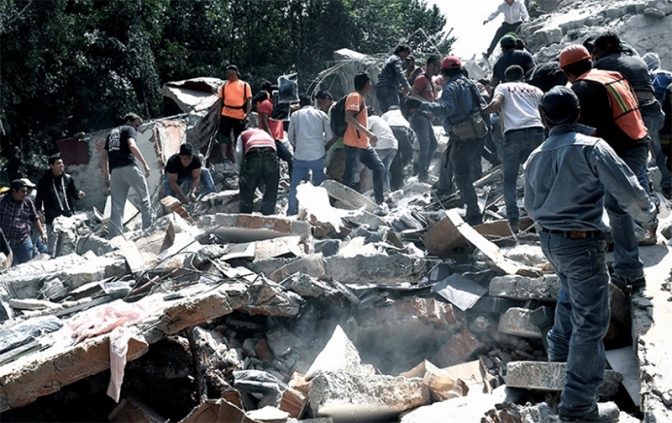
[{"x": 510, "y": 56}]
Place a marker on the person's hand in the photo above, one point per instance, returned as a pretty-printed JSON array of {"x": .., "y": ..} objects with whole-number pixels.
[
  {"x": 44, "y": 237},
  {"x": 192, "y": 197},
  {"x": 373, "y": 140},
  {"x": 413, "y": 103},
  {"x": 148, "y": 171},
  {"x": 485, "y": 22},
  {"x": 81, "y": 194},
  {"x": 405, "y": 91}
]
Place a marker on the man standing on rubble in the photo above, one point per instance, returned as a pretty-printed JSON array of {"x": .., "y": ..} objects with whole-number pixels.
[
  {"x": 421, "y": 123},
  {"x": 523, "y": 130},
  {"x": 609, "y": 105},
  {"x": 56, "y": 191},
  {"x": 184, "y": 166},
  {"x": 259, "y": 162},
  {"x": 510, "y": 56},
  {"x": 17, "y": 214},
  {"x": 236, "y": 98},
  {"x": 358, "y": 139},
  {"x": 309, "y": 133},
  {"x": 565, "y": 182},
  {"x": 335, "y": 158},
  {"x": 121, "y": 173},
  {"x": 392, "y": 81},
  {"x": 515, "y": 13},
  {"x": 460, "y": 102}
]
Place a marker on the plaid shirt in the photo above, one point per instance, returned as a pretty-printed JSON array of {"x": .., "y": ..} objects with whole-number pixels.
[{"x": 16, "y": 219}]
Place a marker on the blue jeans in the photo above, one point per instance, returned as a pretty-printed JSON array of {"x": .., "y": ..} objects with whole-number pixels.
[
  {"x": 581, "y": 316},
  {"x": 387, "y": 97},
  {"x": 626, "y": 252},
  {"x": 299, "y": 171},
  {"x": 370, "y": 159},
  {"x": 386, "y": 156},
  {"x": 285, "y": 155},
  {"x": 23, "y": 253},
  {"x": 206, "y": 181},
  {"x": 518, "y": 144},
  {"x": 654, "y": 124},
  {"x": 424, "y": 131},
  {"x": 457, "y": 163}
]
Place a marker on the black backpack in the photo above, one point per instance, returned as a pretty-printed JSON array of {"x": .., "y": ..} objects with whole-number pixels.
[{"x": 338, "y": 123}]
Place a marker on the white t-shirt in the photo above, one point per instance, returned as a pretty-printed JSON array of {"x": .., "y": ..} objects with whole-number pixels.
[
  {"x": 393, "y": 117},
  {"x": 520, "y": 108},
  {"x": 383, "y": 132}
]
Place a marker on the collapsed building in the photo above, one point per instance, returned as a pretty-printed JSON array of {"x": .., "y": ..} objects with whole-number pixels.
[{"x": 340, "y": 314}]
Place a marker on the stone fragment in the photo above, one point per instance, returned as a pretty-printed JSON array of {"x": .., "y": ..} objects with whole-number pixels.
[
  {"x": 517, "y": 321},
  {"x": 271, "y": 299},
  {"x": 380, "y": 268},
  {"x": 550, "y": 376},
  {"x": 312, "y": 265},
  {"x": 282, "y": 341},
  {"x": 308, "y": 286},
  {"x": 251, "y": 227},
  {"x": 518, "y": 287},
  {"x": 277, "y": 247},
  {"x": 268, "y": 414},
  {"x": 365, "y": 218},
  {"x": 348, "y": 197},
  {"x": 459, "y": 348},
  {"x": 293, "y": 402},
  {"x": 327, "y": 247},
  {"x": 442, "y": 385},
  {"x": 100, "y": 246},
  {"x": 339, "y": 355},
  {"x": 357, "y": 397},
  {"x": 466, "y": 409}
]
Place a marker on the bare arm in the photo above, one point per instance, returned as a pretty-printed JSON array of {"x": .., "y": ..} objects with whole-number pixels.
[
  {"x": 40, "y": 229},
  {"x": 105, "y": 165},
  {"x": 136, "y": 152},
  {"x": 195, "y": 180},
  {"x": 172, "y": 181},
  {"x": 495, "y": 105}
]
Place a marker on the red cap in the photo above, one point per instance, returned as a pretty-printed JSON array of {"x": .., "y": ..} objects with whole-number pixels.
[
  {"x": 451, "y": 62},
  {"x": 572, "y": 54}
]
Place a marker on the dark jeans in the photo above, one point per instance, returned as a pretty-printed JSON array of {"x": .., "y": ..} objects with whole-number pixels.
[
  {"x": 581, "y": 316},
  {"x": 459, "y": 158},
  {"x": 518, "y": 144},
  {"x": 387, "y": 97},
  {"x": 403, "y": 158},
  {"x": 369, "y": 158},
  {"x": 23, "y": 253},
  {"x": 228, "y": 124},
  {"x": 626, "y": 252},
  {"x": 259, "y": 164},
  {"x": 427, "y": 140},
  {"x": 502, "y": 31},
  {"x": 285, "y": 155}
]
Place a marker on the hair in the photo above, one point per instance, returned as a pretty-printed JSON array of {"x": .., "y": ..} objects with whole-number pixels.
[
  {"x": 267, "y": 86},
  {"x": 451, "y": 72},
  {"x": 485, "y": 82},
  {"x": 187, "y": 150},
  {"x": 609, "y": 41},
  {"x": 401, "y": 48},
  {"x": 324, "y": 94},
  {"x": 434, "y": 59},
  {"x": 132, "y": 117},
  {"x": 361, "y": 79},
  {"x": 578, "y": 68},
  {"x": 260, "y": 96},
  {"x": 589, "y": 44},
  {"x": 54, "y": 158},
  {"x": 233, "y": 67},
  {"x": 304, "y": 100},
  {"x": 514, "y": 73},
  {"x": 520, "y": 44}
]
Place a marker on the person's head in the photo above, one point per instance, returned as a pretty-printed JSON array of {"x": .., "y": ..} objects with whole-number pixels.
[
  {"x": 652, "y": 60},
  {"x": 56, "y": 164},
  {"x": 304, "y": 100},
  {"x": 589, "y": 44},
  {"x": 514, "y": 73},
  {"x": 606, "y": 44},
  {"x": 186, "y": 154},
  {"x": 533, "y": 6},
  {"x": 132, "y": 119},
  {"x": 410, "y": 61},
  {"x": 268, "y": 87},
  {"x": 451, "y": 66},
  {"x": 520, "y": 44},
  {"x": 433, "y": 66},
  {"x": 559, "y": 105},
  {"x": 19, "y": 190},
  {"x": 362, "y": 83},
  {"x": 575, "y": 61},
  {"x": 259, "y": 97},
  {"x": 324, "y": 100},
  {"x": 29, "y": 184},
  {"x": 507, "y": 42},
  {"x": 232, "y": 73},
  {"x": 402, "y": 51}
]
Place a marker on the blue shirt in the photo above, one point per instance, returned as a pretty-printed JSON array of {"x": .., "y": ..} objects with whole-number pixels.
[
  {"x": 392, "y": 75},
  {"x": 456, "y": 102},
  {"x": 566, "y": 178}
]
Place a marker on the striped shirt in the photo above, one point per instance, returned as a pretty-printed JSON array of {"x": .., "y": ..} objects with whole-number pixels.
[{"x": 16, "y": 218}]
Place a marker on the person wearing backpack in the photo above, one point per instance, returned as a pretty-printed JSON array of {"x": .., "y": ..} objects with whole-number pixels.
[
  {"x": 609, "y": 105},
  {"x": 460, "y": 108},
  {"x": 358, "y": 139}
]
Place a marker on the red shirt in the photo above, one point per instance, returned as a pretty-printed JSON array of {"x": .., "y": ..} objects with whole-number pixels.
[
  {"x": 426, "y": 88},
  {"x": 256, "y": 138},
  {"x": 276, "y": 129}
]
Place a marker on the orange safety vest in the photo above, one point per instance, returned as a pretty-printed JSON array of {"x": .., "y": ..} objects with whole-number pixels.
[
  {"x": 234, "y": 95},
  {"x": 623, "y": 101},
  {"x": 256, "y": 138}
]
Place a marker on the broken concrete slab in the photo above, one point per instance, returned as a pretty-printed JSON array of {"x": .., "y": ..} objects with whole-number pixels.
[
  {"x": 442, "y": 385},
  {"x": 466, "y": 409},
  {"x": 518, "y": 287},
  {"x": 348, "y": 197},
  {"x": 312, "y": 265},
  {"x": 550, "y": 376},
  {"x": 251, "y": 227},
  {"x": 365, "y": 218},
  {"x": 269, "y": 298},
  {"x": 277, "y": 247},
  {"x": 339, "y": 355},
  {"x": 459, "y": 290},
  {"x": 459, "y": 348},
  {"x": 356, "y": 397},
  {"x": 518, "y": 321},
  {"x": 378, "y": 268}
]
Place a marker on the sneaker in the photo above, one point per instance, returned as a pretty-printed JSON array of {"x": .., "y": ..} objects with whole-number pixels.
[{"x": 606, "y": 412}]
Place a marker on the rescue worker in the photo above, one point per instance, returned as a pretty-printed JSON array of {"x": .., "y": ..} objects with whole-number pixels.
[{"x": 236, "y": 96}]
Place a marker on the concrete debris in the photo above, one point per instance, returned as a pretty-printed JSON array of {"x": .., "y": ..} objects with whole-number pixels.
[
  {"x": 466, "y": 409},
  {"x": 339, "y": 355},
  {"x": 518, "y": 321},
  {"x": 347, "y": 198},
  {"x": 458, "y": 349},
  {"x": 517, "y": 287},
  {"x": 442, "y": 385}
]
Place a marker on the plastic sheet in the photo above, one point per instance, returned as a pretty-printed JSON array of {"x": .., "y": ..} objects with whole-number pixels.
[{"x": 288, "y": 88}]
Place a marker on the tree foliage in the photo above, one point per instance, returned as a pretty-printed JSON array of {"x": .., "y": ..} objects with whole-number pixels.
[{"x": 70, "y": 66}]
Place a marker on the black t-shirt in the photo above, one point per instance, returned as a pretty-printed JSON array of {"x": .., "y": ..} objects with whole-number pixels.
[
  {"x": 174, "y": 165},
  {"x": 513, "y": 57},
  {"x": 118, "y": 152},
  {"x": 634, "y": 69},
  {"x": 546, "y": 76}
]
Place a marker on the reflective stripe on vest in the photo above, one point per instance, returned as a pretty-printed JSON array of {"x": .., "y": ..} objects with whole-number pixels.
[
  {"x": 256, "y": 138},
  {"x": 623, "y": 101}
]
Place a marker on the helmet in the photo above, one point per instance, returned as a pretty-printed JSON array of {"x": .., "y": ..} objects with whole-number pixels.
[
  {"x": 451, "y": 62},
  {"x": 572, "y": 54}
]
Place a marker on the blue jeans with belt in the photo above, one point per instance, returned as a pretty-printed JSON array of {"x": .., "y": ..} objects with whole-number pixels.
[
  {"x": 581, "y": 316},
  {"x": 299, "y": 171}
]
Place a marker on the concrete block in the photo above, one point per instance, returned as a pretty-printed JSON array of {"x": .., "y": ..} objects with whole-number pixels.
[
  {"x": 277, "y": 247},
  {"x": 312, "y": 265},
  {"x": 548, "y": 376},
  {"x": 458, "y": 349},
  {"x": 518, "y": 287},
  {"x": 443, "y": 238},
  {"x": 376, "y": 269},
  {"x": 327, "y": 247},
  {"x": 251, "y": 227},
  {"x": 363, "y": 398},
  {"x": 271, "y": 299},
  {"x": 407, "y": 314},
  {"x": 339, "y": 356},
  {"x": 282, "y": 342},
  {"x": 348, "y": 197},
  {"x": 517, "y": 321},
  {"x": 365, "y": 218}
]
